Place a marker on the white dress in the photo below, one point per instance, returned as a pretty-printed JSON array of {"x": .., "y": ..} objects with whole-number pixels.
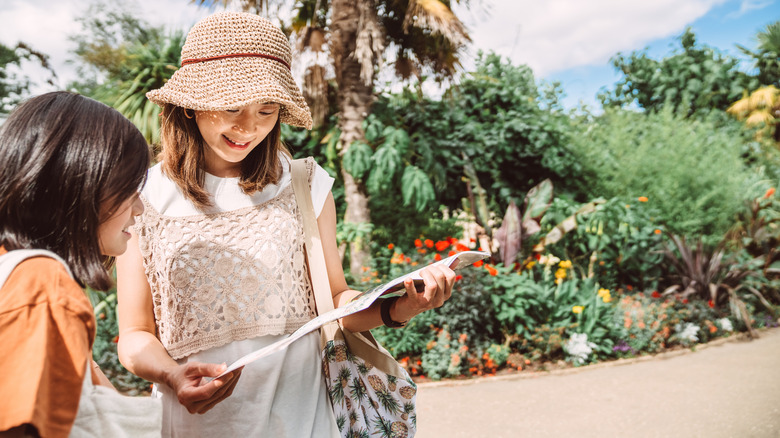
[{"x": 282, "y": 395}]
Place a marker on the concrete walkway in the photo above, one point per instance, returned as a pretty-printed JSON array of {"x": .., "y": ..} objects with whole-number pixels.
[{"x": 730, "y": 388}]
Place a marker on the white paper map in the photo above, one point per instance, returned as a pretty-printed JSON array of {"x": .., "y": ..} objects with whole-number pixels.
[{"x": 363, "y": 301}]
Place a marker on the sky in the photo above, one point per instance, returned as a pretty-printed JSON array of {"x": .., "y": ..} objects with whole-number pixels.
[{"x": 570, "y": 41}]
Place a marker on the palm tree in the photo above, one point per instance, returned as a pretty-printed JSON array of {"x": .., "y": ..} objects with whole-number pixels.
[
  {"x": 767, "y": 57},
  {"x": 424, "y": 35}
]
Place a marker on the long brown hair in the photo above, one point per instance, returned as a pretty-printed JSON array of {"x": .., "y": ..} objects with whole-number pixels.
[
  {"x": 64, "y": 156},
  {"x": 183, "y": 159}
]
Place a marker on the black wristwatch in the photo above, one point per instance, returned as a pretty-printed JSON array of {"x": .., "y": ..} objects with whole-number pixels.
[{"x": 384, "y": 310}]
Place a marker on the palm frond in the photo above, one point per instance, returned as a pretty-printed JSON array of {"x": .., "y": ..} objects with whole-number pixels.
[{"x": 438, "y": 17}]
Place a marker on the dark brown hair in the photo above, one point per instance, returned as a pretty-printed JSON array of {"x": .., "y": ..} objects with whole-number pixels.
[
  {"x": 182, "y": 157},
  {"x": 64, "y": 156}
]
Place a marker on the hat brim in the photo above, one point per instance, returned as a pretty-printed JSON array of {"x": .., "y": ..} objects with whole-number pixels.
[{"x": 232, "y": 83}]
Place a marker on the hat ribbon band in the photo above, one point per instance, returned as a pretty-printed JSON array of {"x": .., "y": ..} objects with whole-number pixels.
[{"x": 235, "y": 55}]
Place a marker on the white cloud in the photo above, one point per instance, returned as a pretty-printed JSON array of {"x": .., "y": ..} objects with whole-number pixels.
[
  {"x": 555, "y": 35},
  {"x": 46, "y": 25}
]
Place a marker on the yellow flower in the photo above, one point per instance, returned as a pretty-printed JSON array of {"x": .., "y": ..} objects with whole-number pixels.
[
  {"x": 530, "y": 264},
  {"x": 560, "y": 274},
  {"x": 577, "y": 309},
  {"x": 603, "y": 292},
  {"x": 566, "y": 264},
  {"x": 607, "y": 298}
]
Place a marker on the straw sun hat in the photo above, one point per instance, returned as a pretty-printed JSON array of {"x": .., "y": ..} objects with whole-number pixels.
[{"x": 233, "y": 59}]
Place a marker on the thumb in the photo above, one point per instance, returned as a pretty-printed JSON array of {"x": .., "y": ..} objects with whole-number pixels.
[{"x": 205, "y": 369}]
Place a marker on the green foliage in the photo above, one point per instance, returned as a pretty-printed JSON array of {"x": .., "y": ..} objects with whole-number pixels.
[
  {"x": 766, "y": 57},
  {"x": 127, "y": 57},
  {"x": 694, "y": 79},
  {"x": 11, "y": 88},
  {"x": 104, "y": 350},
  {"x": 617, "y": 243},
  {"x": 692, "y": 171},
  {"x": 446, "y": 357}
]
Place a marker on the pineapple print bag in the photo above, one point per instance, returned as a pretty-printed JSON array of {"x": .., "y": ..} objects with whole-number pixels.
[{"x": 371, "y": 394}]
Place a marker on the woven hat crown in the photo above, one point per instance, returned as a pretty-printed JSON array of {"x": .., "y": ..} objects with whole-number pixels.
[
  {"x": 233, "y": 59},
  {"x": 235, "y": 33}
]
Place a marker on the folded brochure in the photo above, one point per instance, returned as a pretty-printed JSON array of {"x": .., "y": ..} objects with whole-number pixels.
[{"x": 394, "y": 287}]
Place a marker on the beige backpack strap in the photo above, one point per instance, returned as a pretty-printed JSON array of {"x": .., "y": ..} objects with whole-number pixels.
[{"x": 323, "y": 297}]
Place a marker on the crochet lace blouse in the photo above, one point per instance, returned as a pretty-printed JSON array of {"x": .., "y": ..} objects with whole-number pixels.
[{"x": 225, "y": 275}]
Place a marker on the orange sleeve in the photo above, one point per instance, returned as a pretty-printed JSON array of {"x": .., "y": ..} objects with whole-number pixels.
[{"x": 47, "y": 329}]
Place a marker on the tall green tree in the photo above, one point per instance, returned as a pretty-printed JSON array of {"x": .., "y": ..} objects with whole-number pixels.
[
  {"x": 13, "y": 87},
  {"x": 693, "y": 78},
  {"x": 766, "y": 58},
  {"x": 122, "y": 57},
  {"x": 424, "y": 35}
]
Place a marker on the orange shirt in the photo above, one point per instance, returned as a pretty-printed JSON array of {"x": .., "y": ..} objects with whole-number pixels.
[{"x": 47, "y": 328}]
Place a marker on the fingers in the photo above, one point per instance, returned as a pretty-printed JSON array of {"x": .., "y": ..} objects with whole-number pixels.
[
  {"x": 438, "y": 284},
  {"x": 224, "y": 392}
]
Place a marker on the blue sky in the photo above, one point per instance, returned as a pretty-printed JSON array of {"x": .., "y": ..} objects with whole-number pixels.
[
  {"x": 722, "y": 27},
  {"x": 570, "y": 41}
]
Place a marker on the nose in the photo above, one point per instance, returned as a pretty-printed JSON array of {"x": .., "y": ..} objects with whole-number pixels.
[
  {"x": 138, "y": 207},
  {"x": 245, "y": 122}
]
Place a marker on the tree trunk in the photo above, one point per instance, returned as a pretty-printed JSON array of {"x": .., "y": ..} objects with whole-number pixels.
[{"x": 354, "y": 98}]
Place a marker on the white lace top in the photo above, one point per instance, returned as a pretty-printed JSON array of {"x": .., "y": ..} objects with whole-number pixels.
[
  {"x": 229, "y": 281},
  {"x": 225, "y": 276}
]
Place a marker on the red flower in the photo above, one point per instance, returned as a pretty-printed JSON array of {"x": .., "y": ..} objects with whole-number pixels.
[
  {"x": 461, "y": 247},
  {"x": 451, "y": 253},
  {"x": 452, "y": 240},
  {"x": 116, "y": 339},
  {"x": 537, "y": 256},
  {"x": 458, "y": 277},
  {"x": 711, "y": 303},
  {"x": 685, "y": 300},
  {"x": 491, "y": 270},
  {"x": 629, "y": 287},
  {"x": 769, "y": 193},
  {"x": 418, "y": 243},
  {"x": 437, "y": 257},
  {"x": 390, "y": 246},
  {"x": 656, "y": 294},
  {"x": 442, "y": 245},
  {"x": 478, "y": 263},
  {"x": 429, "y": 243}
]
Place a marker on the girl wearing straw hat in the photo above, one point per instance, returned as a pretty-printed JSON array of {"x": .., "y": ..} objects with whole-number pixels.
[{"x": 215, "y": 268}]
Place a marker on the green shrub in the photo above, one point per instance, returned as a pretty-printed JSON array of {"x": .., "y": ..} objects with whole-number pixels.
[{"x": 692, "y": 170}]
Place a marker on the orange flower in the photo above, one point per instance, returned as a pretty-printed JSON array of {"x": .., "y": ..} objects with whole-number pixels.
[
  {"x": 462, "y": 338},
  {"x": 491, "y": 270},
  {"x": 627, "y": 323},
  {"x": 116, "y": 339},
  {"x": 769, "y": 193},
  {"x": 713, "y": 329},
  {"x": 451, "y": 253},
  {"x": 390, "y": 246},
  {"x": 479, "y": 263},
  {"x": 418, "y": 243},
  {"x": 642, "y": 199},
  {"x": 657, "y": 231},
  {"x": 442, "y": 245},
  {"x": 711, "y": 303},
  {"x": 437, "y": 257},
  {"x": 102, "y": 316},
  {"x": 461, "y": 247},
  {"x": 429, "y": 243},
  {"x": 629, "y": 287}
]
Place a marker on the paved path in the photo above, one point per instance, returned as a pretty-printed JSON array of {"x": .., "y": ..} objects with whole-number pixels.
[{"x": 731, "y": 389}]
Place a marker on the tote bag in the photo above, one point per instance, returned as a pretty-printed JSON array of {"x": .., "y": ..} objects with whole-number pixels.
[
  {"x": 371, "y": 394},
  {"x": 103, "y": 412}
]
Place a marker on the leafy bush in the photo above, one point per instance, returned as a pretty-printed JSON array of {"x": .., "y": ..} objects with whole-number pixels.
[
  {"x": 617, "y": 244},
  {"x": 691, "y": 170}
]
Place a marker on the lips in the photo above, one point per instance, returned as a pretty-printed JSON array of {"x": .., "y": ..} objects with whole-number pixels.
[{"x": 235, "y": 144}]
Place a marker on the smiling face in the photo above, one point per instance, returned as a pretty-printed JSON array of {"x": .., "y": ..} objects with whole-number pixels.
[
  {"x": 231, "y": 135},
  {"x": 113, "y": 233}
]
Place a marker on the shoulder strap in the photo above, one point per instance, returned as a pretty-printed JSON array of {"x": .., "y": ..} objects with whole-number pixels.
[
  {"x": 11, "y": 259},
  {"x": 323, "y": 296}
]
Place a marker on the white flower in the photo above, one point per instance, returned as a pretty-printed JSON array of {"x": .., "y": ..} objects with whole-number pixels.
[
  {"x": 578, "y": 348},
  {"x": 687, "y": 332},
  {"x": 725, "y": 324}
]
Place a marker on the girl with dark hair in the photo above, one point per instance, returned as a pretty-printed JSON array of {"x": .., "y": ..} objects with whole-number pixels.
[
  {"x": 216, "y": 266},
  {"x": 69, "y": 180}
]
